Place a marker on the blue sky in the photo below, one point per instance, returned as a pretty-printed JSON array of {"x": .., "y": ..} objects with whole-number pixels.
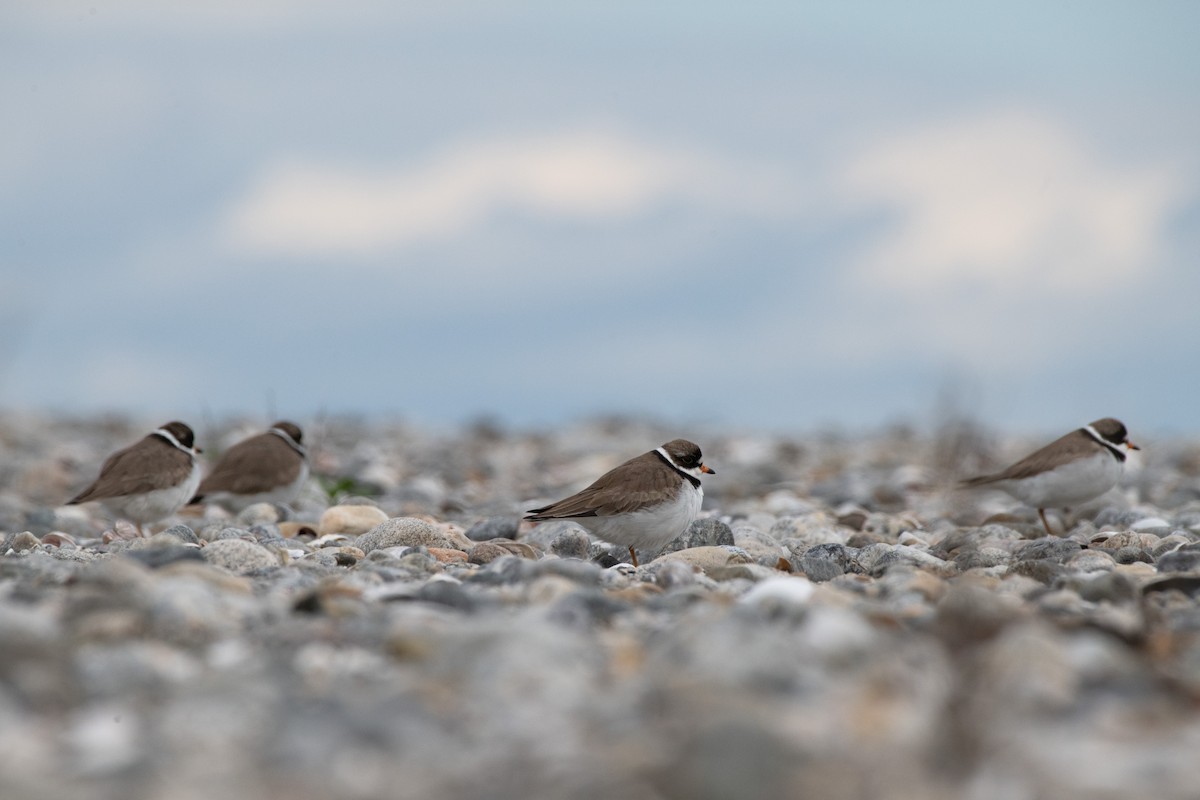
[{"x": 771, "y": 215}]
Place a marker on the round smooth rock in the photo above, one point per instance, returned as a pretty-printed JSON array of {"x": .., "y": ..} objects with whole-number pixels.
[
  {"x": 294, "y": 530},
  {"x": 494, "y": 528},
  {"x": 239, "y": 556},
  {"x": 1048, "y": 547},
  {"x": 446, "y": 555},
  {"x": 1091, "y": 561},
  {"x": 709, "y": 559},
  {"x": 486, "y": 552},
  {"x": 183, "y": 533},
  {"x": 1131, "y": 555},
  {"x": 1126, "y": 539},
  {"x": 23, "y": 541},
  {"x": 703, "y": 532},
  {"x": 351, "y": 520},
  {"x": 257, "y": 514},
  {"x": 571, "y": 543},
  {"x": 403, "y": 531},
  {"x": 1181, "y": 560},
  {"x": 826, "y": 561},
  {"x": 764, "y": 548},
  {"x": 982, "y": 557}
]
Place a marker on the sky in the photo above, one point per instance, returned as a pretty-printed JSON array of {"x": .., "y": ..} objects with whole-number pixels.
[{"x": 761, "y": 215}]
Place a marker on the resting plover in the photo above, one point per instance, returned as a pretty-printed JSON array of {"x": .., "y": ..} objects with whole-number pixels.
[
  {"x": 270, "y": 467},
  {"x": 644, "y": 503},
  {"x": 149, "y": 480}
]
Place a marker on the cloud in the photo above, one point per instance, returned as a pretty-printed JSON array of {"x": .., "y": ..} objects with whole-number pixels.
[
  {"x": 1003, "y": 201},
  {"x": 304, "y": 208}
]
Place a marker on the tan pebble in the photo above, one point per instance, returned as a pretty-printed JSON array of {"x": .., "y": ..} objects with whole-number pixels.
[
  {"x": 109, "y": 625},
  {"x": 210, "y": 574},
  {"x": 549, "y": 588},
  {"x": 456, "y": 535},
  {"x": 291, "y": 529},
  {"x": 518, "y": 548},
  {"x": 1138, "y": 570},
  {"x": 350, "y": 520},
  {"x": 350, "y": 550},
  {"x": 927, "y": 584},
  {"x": 706, "y": 558},
  {"x": 1145, "y": 541},
  {"x": 446, "y": 555},
  {"x": 486, "y": 552}
]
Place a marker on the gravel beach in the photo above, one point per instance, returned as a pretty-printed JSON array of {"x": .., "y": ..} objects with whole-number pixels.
[{"x": 839, "y": 623}]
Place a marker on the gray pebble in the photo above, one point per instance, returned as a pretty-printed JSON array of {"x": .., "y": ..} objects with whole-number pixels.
[
  {"x": 183, "y": 533},
  {"x": 1047, "y": 547},
  {"x": 239, "y": 556},
  {"x": 573, "y": 543},
  {"x": 1131, "y": 555},
  {"x": 1043, "y": 570},
  {"x": 408, "y": 531},
  {"x": 504, "y": 570},
  {"x": 826, "y": 561},
  {"x": 672, "y": 574},
  {"x": 702, "y": 532},
  {"x": 155, "y": 557},
  {"x": 1185, "y": 559},
  {"x": 981, "y": 557},
  {"x": 494, "y": 528},
  {"x": 260, "y": 513},
  {"x": 1114, "y": 587},
  {"x": 586, "y": 608},
  {"x": 447, "y": 593}
]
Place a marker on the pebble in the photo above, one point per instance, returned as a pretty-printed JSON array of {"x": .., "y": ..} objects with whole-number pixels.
[
  {"x": 292, "y": 529},
  {"x": 494, "y": 528},
  {"x": 826, "y": 561},
  {"x": 1185, "y": 559},
  {"x": 708, "y": 559},
  {"x": 259, "y": 513},
  {"x": 571, "y": 543},
  {"x": 239, "y": 556},
  {"x": 702, "y": 532},
  {"x": 403, "y": 531},
  {"x": 351, "y": 520}
]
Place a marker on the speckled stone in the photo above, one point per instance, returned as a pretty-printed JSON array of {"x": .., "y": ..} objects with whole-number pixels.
[
  {"x": 239, "y": 556},
  {"x": 408, "y": 531},
  {"x": 571, "y": 544}
]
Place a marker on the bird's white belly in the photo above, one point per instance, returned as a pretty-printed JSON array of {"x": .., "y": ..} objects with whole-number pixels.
[
  {"x": 153, "y": 506},
  {"x": 652, "y": 528},
  {"x": 1069, "y": 484}
]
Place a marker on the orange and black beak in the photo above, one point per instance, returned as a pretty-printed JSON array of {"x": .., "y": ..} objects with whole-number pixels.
[
  {"x": 708, "y": 469},
  {"x": 1131, "y": 445}
]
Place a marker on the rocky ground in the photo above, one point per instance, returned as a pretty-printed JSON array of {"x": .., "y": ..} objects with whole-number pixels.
[{"x": 837, "y": 625}]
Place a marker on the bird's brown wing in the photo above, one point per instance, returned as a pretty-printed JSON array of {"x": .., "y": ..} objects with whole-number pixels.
[
  {"x": 142, "y": 467},
  {"x": 1062, "y": 450},
  {"x": 635, "y": 484},
  {"x": 255, "y": 465}
]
